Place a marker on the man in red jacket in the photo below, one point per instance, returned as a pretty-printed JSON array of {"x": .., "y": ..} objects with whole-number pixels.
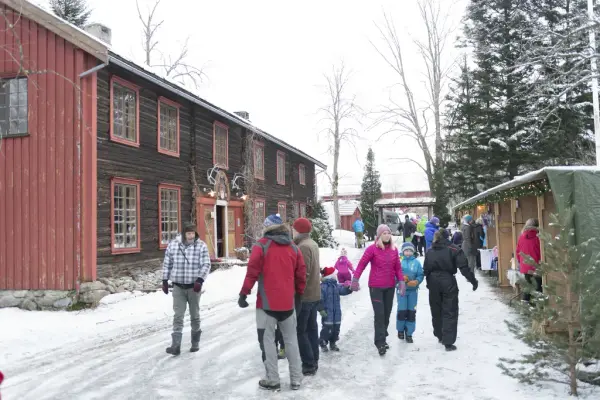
[{"x": 278, "y": 266}]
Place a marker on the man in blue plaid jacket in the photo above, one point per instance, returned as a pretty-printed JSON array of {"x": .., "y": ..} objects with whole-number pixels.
[{"x": 187, "y": 265}]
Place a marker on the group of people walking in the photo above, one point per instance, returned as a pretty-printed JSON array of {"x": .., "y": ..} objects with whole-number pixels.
[{"x": 293, "y": 290}]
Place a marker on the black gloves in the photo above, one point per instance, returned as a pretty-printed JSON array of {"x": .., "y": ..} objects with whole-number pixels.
[
  {"x": 165, "y": 286},
  {"x": 475, "y": 284},
  {"x": 242, "y": 301}
]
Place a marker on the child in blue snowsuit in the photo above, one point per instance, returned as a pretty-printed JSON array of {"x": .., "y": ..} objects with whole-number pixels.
[
  {"x": 413, "y": 275},
  {"x": 330, "y": 308}
]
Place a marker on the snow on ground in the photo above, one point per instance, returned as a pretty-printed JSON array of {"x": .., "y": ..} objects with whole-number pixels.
[{"x": 117, "y": 351}]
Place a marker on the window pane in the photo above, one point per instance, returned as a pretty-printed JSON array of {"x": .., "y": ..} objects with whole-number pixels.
[
  {"x": 124, "y": 112},
  {"x": 13, "y": 106},
  {"x": 168, "y": 127},
  {"x": 169, "y": 215},
  {"x": 220, "y": 145},
  {"x": 125, "y": 216}
]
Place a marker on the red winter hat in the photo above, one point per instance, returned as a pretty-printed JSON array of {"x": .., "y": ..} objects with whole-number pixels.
[
  {"x": 302, "y": 225},
  {"x": 327, "y": 271}
]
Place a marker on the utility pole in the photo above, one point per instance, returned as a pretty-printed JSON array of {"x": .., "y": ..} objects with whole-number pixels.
[{"x": 594, "y": 69}]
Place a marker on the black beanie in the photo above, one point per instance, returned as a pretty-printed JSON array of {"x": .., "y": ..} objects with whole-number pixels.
[{"x": 189, "y": 227}]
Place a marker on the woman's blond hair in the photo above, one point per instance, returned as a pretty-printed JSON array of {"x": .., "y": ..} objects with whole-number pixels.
[
  {"x": 439, "y": 235},
  {"x": 531, "y": 224}
]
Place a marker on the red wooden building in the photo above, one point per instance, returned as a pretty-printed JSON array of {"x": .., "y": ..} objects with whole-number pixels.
[
  {"x": 47, "y": 240},
  {"x": 82, "y": 131}
]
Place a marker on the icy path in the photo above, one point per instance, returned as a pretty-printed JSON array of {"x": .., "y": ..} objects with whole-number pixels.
[{"x": 128, "y": 361}]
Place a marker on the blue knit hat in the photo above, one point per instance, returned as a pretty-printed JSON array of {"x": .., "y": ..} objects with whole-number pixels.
[
  {"x": 407, "y": 246},
  {"x": 435, "y": 220},
  {"x": 272, "y": 219},
  {"x": 468, "y": 218}
]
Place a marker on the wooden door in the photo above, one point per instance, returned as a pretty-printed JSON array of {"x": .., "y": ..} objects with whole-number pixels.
[
  {"x": 209, "y": 228},
  {"x": 231, "y": 244}
]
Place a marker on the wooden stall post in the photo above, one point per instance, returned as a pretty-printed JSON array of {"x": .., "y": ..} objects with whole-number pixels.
[{"x": 504, "y": 235}]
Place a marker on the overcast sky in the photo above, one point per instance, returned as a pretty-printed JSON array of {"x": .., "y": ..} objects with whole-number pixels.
[{"x": 268, "y": 57}]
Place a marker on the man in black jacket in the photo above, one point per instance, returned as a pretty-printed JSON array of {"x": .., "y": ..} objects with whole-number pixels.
[{"x": 441, "y": 264}]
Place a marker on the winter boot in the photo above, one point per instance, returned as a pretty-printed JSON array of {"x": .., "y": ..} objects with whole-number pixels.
[
  {"x": 401, "y": 335},
  {"x": 295, "y": 386},
  {"x": 195, "y": 341},
  {"x": 333, "y": 347},
  {"x": 382, "y": 349},
  {"x": 265, "y": 384},
  {"x": 175, "y": 348},
  {"x": 409, "y": 339},
  {"x": 387, "y": 346},
  {"x": 323, "y": 345},
  {"x": 450, "y": 347},
  {"x": 281, "y": 354}
]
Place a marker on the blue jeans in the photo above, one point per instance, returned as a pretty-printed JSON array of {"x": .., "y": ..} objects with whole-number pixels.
[
  {"x": 308, "y": 334},
  {"x": 406, "y": 317}
]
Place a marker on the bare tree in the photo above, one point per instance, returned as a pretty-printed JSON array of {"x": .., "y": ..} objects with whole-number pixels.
[
  {"x": 175, "y": 67},
  {"x": 406, "y": 117},
  {"x": 339, "y": 112}
]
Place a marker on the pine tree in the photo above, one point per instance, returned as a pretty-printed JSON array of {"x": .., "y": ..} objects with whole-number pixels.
[
  {"x": 322, "y": 231},
  {"x": 569, "y": 303},
  {"x": 73, "y": 11},
  {"x": 370, "y": 192},
  {"x": 559, "y": 98}
]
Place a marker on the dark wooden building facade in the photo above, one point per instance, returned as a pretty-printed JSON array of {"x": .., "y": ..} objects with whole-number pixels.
[{"x": 153, "y": 157}]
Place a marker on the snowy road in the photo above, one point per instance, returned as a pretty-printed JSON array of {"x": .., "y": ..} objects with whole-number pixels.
[{"x": 129, "y": 362}]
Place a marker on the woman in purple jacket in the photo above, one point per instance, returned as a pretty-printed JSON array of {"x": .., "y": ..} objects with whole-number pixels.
[{"x": 386, "y": 270}]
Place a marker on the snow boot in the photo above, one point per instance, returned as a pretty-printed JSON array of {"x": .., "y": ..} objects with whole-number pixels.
[
  {"x": 409, "y": 339},
  {"x": 195, "y": 341},
  {"x": 450, "y": 347},
  {"x": 381, "y": 350},
  {"x": 295, "y": 386},
  {"x": 401, "y": 335},
  {"x": 333, "y": 347},
  {"x": 175, "y": 348},
  {"x": 281, "y": 354},
  {"x": 265, "y": 384},
  {"x": 387, "y": 346},
  {"x": 323, "y": 345}
]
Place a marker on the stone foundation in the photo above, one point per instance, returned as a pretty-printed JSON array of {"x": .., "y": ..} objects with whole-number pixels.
[{"x": 91, "y": 293}]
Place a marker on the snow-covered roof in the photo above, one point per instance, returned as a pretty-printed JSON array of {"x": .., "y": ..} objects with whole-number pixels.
[
  {"x": 347, "y": 207},
  {"x": 105, "y": 53},
  {"x": 60, "y": 27},
  {"x": 523, "y": 179},
  {"x": 406, "y": 201}
]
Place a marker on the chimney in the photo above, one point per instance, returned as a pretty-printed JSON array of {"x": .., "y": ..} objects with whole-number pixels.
[
  {"x": 243, "y": 114},
  {"x": 100, "y": 31}
]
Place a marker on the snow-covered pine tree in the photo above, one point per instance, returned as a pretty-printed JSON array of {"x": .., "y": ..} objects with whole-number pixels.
[
  {"x": 465, "y": 159},
  {"x": 73, "y": 11},
  {"x": 322, "y": 232},
  {"x": 568, "y": 306},
  {"x": 559, "y": 97},
  {"x": 370, "y": 192},
  {"x": 495, "y": 30}
]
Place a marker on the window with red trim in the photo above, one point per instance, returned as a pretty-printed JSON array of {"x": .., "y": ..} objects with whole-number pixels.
[
  {"x": 280, "y": 168},
  {"x": 282, "y": 210},
  {"x": 169, "y": 197},
  {"x": 13, "y": 106},
  {"x": 168, "y": 127},
  {"x": 220, "y": 145},
  {"x": 302, "y": 174},
  {"x": 259, "y": 210},
  {"x": 124, "y": 112},
  {"x": 259, "y": 160},
  {"x": 125, "y": 213},
  {"x": 303, "y": 210}
]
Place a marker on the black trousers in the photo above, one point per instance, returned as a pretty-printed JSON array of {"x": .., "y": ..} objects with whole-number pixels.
[
  {"x": 534, "y": 280},
  {"x": 443, "y": 301},
  {"x": 330, "y": 333},
  {"x": 382, "y": 300}
]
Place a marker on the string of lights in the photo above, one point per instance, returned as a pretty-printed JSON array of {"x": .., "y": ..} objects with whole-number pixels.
[{"x": 536, "y": 188}]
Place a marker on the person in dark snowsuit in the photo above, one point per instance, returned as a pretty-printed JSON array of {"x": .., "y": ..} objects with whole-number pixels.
[
  {"x": 441, "y": 264},
  {"x": 331, "y": 309},
  {"x": 408, "y": 230}
]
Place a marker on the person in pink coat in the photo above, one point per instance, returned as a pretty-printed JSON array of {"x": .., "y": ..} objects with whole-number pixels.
[
  {"x": 344, "y": 267},
  {"x": 529, "y": 245},
  {"x": 384, "y": 279}
]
